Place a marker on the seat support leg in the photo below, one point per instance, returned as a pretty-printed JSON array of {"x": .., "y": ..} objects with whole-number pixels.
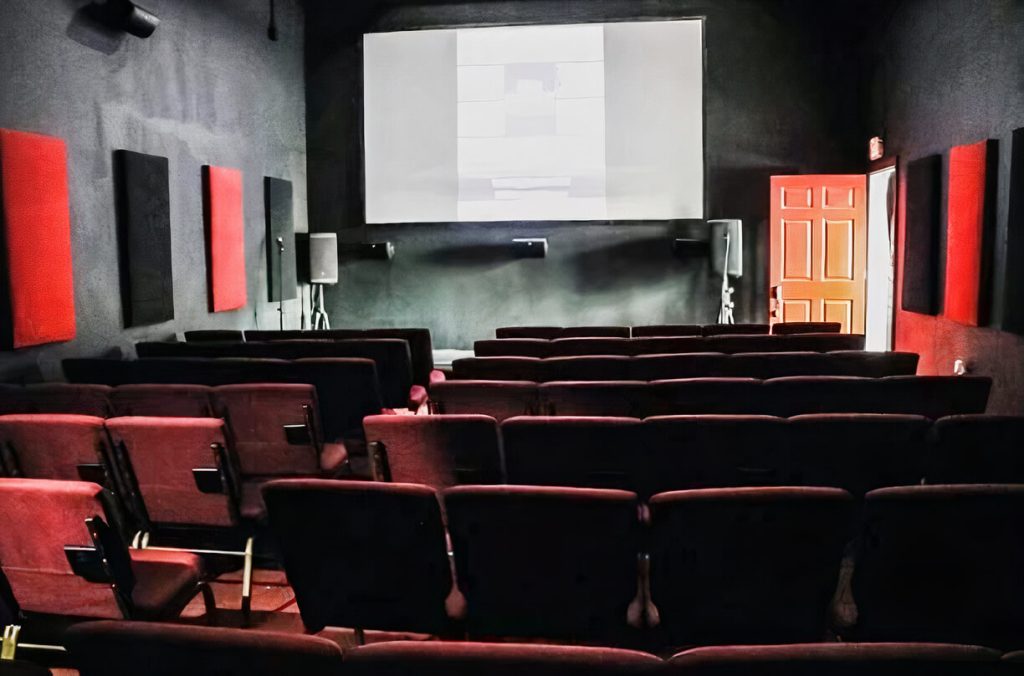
[
  {"x": 247, "y": 579},
  {"x": 10, "y": 642}
]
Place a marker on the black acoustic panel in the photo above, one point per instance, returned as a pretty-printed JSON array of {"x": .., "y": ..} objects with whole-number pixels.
[
  {"x": 144, "y": 223},
  {"x": 922, "y": 233},
  {"x": 281, "y": 277},
  {"x": 1013, "y": 312}
]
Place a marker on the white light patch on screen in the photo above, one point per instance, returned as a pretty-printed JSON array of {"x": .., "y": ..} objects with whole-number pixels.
[{"x": 531, "y": 123}]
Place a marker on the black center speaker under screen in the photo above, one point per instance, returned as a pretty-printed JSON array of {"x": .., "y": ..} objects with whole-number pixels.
[{"x": 127, "y": 16}]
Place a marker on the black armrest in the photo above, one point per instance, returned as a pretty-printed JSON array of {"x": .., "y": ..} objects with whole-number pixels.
[
  {"x": 87, "y": 563},
  {"x": 297, "y": 435},
  {"x": 208, "y": 480},
  {"x": 93, "y": 472}
]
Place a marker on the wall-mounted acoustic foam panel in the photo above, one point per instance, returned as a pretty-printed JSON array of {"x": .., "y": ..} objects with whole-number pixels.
[
  {"x": 1013, "y": 309},
  {"x": 225, "y": 237},
  {"x": 38, "y": 294},
  {"x": 921, "y": 246},
  {"x": 277, "y": 203},
  {"x": 144, "y": 223},
  {"x": 969, "y": 223}
]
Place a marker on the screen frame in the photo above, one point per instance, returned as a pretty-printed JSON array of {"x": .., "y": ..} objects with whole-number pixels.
[{"x": 361, "y": 112}]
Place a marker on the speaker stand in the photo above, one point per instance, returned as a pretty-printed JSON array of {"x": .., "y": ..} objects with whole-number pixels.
[
  {"x": 318, "y": 311},
  {"x": 725, "y": 315}
]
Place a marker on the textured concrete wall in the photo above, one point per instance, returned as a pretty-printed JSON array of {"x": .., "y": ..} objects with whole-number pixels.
[
  {"x": 207, "y": 88},
  {"x": 779, "y": 99},
  {"x": 944, "y": 73}
]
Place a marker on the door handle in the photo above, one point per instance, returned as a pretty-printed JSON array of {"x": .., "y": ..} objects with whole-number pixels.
[{"x": 775, "y": 301}]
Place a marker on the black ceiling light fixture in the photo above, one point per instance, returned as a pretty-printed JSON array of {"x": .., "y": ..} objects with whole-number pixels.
[
  {"x": 127, "y": 16},
  {"x": 272, "y": 28}
]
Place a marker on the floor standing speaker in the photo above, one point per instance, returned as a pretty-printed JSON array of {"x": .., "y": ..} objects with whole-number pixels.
[{"x": 921, "y": 236}]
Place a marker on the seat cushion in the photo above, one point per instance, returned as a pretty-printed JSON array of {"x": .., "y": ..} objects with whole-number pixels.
[
  {"x": 250, "y": 503},
  {"x": 165, "y": 581},
  {"x": 333, "y": 457}
]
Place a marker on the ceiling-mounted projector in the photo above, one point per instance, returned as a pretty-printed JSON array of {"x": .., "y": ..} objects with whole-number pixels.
[{"x": 127, "y": 16}]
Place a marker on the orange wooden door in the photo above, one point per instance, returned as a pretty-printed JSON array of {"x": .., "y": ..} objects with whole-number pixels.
[{"x": 819, "y": 244}]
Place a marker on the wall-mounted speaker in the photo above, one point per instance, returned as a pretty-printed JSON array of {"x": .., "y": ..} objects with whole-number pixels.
[
  {"x": 381, "y": 251},
  {"x": 323, "y": 258},
  {"x": 127, "y": 16},
  {"x": 719, "y": 229},
  {"x": 530, "y": 247}
]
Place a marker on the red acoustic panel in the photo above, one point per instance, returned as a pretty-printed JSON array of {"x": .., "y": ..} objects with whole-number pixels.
[
  {"x": 969, "y": 216},
  {"x": 225, "y": 232},
  {"x": 36, "y": 226}
]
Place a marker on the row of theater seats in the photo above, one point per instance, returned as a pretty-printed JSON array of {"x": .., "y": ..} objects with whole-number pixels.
[
  {"x": 118, "y": 648},
  {"x": 688, "y": 365},
  {"x": 347, "y": 389},
  {"x": 858, "y": 453},
  {"x": 698, "y": 567},
  {"x": 657, "y": 330},
  {"x": 930, "y": 396},
  {"x": 421, "y": 348},
  {"x": 391, "y": 357},
  {"x": 572, "y": 347}
]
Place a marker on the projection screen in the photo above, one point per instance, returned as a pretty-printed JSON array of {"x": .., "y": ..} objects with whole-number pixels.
[{"x": 535, "y": 123}]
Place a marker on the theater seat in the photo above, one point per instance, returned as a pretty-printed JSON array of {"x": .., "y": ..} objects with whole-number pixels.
[
  {"x": 67, "y": 398},
  {"x": 179, "y": 401},
  {"x": 499, "y": 399},
  {"x": 734, "y": 329},
  {"x": 436, "y": 450},
  {"x": 838, "y": 659},
  {"x": 53, "y": 515},
  {"x": 56, "y": 446},
  {"x": 592, "y": 398},
  {"x": 593, "y": 367},
  {"x": 497, "y": 368},
  {"x": 110, "y": 648},
  {"x": 657, "y": 330},
  {"x": 546, "y": 562},
  {"x": 362, "y": 554},
  {"x": 22, "y": 668},
  {"x": 942, "y": 563},
  {"x": 214, "y": 336},
  {"x": 746, "y": 565},
  {"x": 512, "y": 347},
  {"x": 976, "y": 449},
  {"x": 418, "y": 658},
  {"x": 791, "y": 328}
]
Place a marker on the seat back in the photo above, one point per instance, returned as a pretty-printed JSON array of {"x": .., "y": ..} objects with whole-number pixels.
[
  {"x": 676, "y": 366},
  {"x": 968, "y": 449},
  {"x": 55, "y": 446},
  {"x": 857, "y": 451},
  {"x": 99, "y": 371},
  {"x": 512, "y": 347},
  {"x": 592, "y": 398},
  {"x": 942, "y": 563},
  {"x": 606, "y": 367},
  {"x": 430, "y": 658},
  {"x": 275, "y": 427},
  {"x": 668, "y": 345},
  {"x": 498, "y": 368},
  {"x": 119, "y": 648},
  {"x": 765, "y": 365},
  {"x": 214, "y": 336},
  {"x": 362, "y": 554},
  {"x": 747, "y": 565},
  {"x": 41, "y": 518},
  {"x": 545, "y": 562},
  {"x": 791, "y": 328},
  {"x": 539, "y": 332},
  {"x": 838, "y": 659},
  {"x": 734, "y": 329},
  {"x": 874, "y": 364},
  {"x": 699, "y": 396},
  {"x": 11, "y": 400},
  {"x": 572, "y": 451},
  {"x": 595, "y": 332},
  {"x": 796, "y": 395},
  {"x": 437, "y": 450},
  {"x": 160, "y": 457},
  {"x": 178, "y": 401},
  {"x": 937, "y": 396},
  {"x": 578, "y": 347},
  {"x": 68, "y": 398},
  {"x": 714, "y": 451},
  {"x": 499, "y": 399},
  {"x": 656, "y": 330}
]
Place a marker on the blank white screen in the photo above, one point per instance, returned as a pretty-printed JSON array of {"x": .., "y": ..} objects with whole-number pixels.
[{"x": 528, "y": 123}]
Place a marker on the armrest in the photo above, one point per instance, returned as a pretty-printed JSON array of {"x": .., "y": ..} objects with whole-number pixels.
[
  {"x": 208, "y": 480},
  {"x": 437, "y": 376}
]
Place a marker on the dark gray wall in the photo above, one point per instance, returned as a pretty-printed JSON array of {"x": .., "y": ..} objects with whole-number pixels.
[
  {"x": 207, "y": 88},
  {"x": 944, "y": 73},
  {"x": 781, "y": 97}
]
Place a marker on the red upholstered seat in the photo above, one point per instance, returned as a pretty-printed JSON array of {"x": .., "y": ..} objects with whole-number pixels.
[
  {"x": 656, "y": 330},
  {"x": 67, "y": 398},
  {"x": 154, "y": 584},
  {"x": 838, "y": 659},
  {"x": 179, "y": 401},
  {"x": 259, "y": 416},
  {"x": 595, "y": 367},
  {"x": 54, "y": 446},
  {"x": 362, "y": 554},
  {"x": 499, "y": 399},
  {"x": 942, "y": 563},
  {"x": 599, "y": 452},
  {"x": 733, "y": 329},
  {"x": 791, "y": 328},
  {"x": 603, "y": 398},
  {"x": 214, "y": 336},
  {"x": 797, "y": 395},
  {"x": 545, "y": 562},
  {"x": 512, "y": 347},
  {"x": 497, "y": 368},
  {"x": 121, "y": 648},
  {"x": 976, "y": 449},
  {"x": 418, "y": 658},
  {"x": 437, "y": 450},
  {"x": 746, "y": 565},
  {"x": 668, "y": 345},
  {"x": 159, "y": 456},
  {"x": 937, "y": 396},
  {"x": 578, "y": 347},
  {"x": 705, "y": 395},
  {"x": 537, "y": 332}
]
